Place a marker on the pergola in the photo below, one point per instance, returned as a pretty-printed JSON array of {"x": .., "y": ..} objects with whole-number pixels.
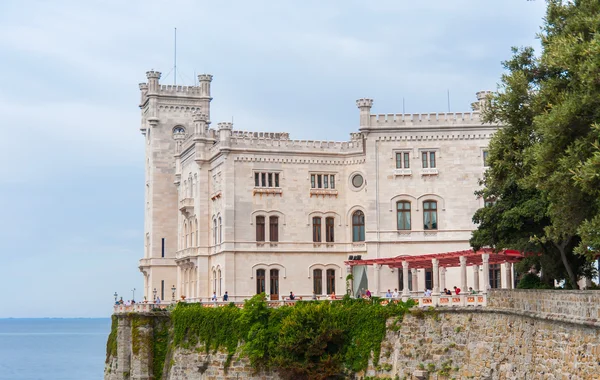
[{"x": 438, "y": 262}]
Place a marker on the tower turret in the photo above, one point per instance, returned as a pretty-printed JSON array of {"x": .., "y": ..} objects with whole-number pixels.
[
  {"x": 205, "y": 80},
  {"x": 153, "y": 77},
  {"x": 364, "y": 105}
]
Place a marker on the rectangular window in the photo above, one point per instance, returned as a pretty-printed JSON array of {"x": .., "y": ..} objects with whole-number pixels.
[
  {"x": 326, "y": 181},
  {"x": 332, "y": 181},
  {"x": 162, "y": 289},
  {"x": 485, "y": 154},
  {"x": 319, "y": 182},
  {"x": 495, "y": 276},
  {"x": 403, "y": 215},
  {"x": 273, "y": 228},
  {"x": 256, "y": 179},
  {"x": 163, "y": 248},
  {"x": 402, "y": 160},
  {"x": 406, "y": 160},
  {"x": 318, "y": 281},
  {"x": 312, "y": 181},
  {"x": 330, "y": 281},
  {"x": 398, "y": 160},
  {"x": 317, "y": 229},
  {"x": 428, "y": 159},
  {"x": 329, "y": 229},
  {"x": 430, "y": 215},
  {"x": 260, "y": 228},
  {"x": 428, "y": 279},
  {"x": 322, "y": 181},
  {"x": 276, "y": 179},
  {"x": 264, "y": 179}
]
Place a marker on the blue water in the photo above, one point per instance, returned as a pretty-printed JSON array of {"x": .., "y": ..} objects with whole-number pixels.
[{"x": 53, "y": 349}]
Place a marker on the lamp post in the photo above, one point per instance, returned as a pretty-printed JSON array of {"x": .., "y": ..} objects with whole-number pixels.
[
  {"x": 173, "y": 292},
  {"x": 154, "y": 292},
  {"x": 133, "y": 297},
  {"x": 116, "y": 295}
]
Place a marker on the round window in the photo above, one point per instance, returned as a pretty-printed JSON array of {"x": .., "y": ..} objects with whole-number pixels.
[{"x": 357, "y": 180}]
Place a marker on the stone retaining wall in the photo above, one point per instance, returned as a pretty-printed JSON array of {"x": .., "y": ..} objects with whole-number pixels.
[{"x": 523, "y": 334}]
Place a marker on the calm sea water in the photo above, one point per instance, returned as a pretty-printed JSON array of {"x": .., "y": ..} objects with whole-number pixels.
[{"x": 53, "y": 349}]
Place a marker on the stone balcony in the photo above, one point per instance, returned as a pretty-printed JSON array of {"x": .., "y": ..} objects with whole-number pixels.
[{"x": 186, "y": 206}]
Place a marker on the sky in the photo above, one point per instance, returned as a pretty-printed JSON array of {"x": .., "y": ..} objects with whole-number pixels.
[{"x": 71, "y": 154}]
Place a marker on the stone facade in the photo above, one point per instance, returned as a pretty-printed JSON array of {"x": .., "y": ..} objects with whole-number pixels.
[{"x": 208, "y": 191}]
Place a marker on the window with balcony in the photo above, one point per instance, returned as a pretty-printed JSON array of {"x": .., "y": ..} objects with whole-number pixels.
[
  {"x": 430, "y": 217},
  {"x": 403, "y": 215},
  {"x": 428, "y": 158},
  {"x": 266, "y": 179},
  {"x": 260, "y": 228},
  {"x": 402, "y": 160},
  {"x": 329, "y": 227},
  {"x": 322, "y": 181},
  {"x": 273, "y": 228},
  {"x": 316, "y": 222},
  {"x": 358, "y": 226}
]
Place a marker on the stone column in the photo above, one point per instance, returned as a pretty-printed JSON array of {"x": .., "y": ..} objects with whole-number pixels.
[
  {"x": 463, "y": 278},
  {"x": 415, "y": 282},
  {"x": 508, "y": 276},
  {"x": 442, "y": 278},
  {"x": 179, "y": 280},
  {"x": 435, "y": 275},
  {"x": 476, "y": 278},
  {"x": 486, "y": 272},
  {"x": 405, "y": 291}
]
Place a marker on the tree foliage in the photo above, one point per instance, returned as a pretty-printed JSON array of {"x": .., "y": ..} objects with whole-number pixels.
[{"x": 544, "y": 163}]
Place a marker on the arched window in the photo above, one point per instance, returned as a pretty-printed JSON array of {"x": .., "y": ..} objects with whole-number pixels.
[
  {"x": 220, "y": 231},
  {"x": 274, "y": 228},
  {"x": 260, "y": 228},
  {"x": 184, "y": 245},
  {"x": 329, "y": 229},
  {"x": 358, "y": 226},
  {"x": 403, "y": 215},
  {"x": 274, "y": 282},
  {"x": 220, "y": 282},
  {"x": 430, "y": 219},
  {"x": 330, "y": 281},
  {"x": 318, "y": 281},
  {"x": 192, "y": 233},
  {"x": 214, "y": 281},
  {"x": 316, "y": 229},
  {"x": 215, "y": 231},
  {"x": 260, "y": 281}
]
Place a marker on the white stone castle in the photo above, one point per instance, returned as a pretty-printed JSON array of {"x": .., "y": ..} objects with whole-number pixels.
[{"x": 249, "y": 212}]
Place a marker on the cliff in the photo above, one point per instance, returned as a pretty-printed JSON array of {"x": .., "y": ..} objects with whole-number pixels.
[{"x": 520, "y": 334}]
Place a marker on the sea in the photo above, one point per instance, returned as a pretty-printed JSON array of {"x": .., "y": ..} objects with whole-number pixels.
[{"x": 53, "y": 348}]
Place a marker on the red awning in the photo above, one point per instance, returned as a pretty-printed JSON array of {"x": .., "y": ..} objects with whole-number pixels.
[{"x": 449, "y": 259}]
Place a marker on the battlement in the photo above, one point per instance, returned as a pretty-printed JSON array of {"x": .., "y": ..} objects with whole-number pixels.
[
  {"x": 248, "y": 141},
  {"x": 425, "y": 119},
  {"x": 261, "y": 135}
]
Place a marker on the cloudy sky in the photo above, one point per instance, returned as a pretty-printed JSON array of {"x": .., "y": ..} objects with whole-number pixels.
[{"x": 71, "y": 155}]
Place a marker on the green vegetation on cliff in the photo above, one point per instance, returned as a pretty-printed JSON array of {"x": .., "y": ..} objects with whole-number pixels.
[{"x": 308, "y": 340}]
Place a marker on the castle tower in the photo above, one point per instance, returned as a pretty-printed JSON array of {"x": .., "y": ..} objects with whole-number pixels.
[{"x": 167, "y": 121}]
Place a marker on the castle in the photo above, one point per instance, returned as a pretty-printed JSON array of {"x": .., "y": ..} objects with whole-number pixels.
[{"x": 249, "y": 212}]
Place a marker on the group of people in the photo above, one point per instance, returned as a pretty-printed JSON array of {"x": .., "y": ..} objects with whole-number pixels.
[
  {"x": 214, "y": 297},
  {"x": 426, "y": 292}
]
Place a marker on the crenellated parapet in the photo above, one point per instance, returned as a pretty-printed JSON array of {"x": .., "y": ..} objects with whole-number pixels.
[
  {"x": 309, "y": 146},
  {"x": 425, "y": 119}
]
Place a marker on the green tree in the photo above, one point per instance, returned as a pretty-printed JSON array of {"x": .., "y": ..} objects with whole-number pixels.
[{"x": 541, "y": 163}]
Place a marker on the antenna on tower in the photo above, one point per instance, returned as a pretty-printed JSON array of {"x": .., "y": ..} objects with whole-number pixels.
[
  {"x": 448, "y": 100},
  {"x": 403, "y": 106},
  {"x": 175, "y": 60}
]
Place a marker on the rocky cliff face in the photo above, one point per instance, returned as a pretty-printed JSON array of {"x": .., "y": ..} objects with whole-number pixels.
[{"x": 503, "y": 341}]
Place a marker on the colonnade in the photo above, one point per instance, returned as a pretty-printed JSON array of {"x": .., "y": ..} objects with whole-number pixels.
[{"x": 439, "y": 275}]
